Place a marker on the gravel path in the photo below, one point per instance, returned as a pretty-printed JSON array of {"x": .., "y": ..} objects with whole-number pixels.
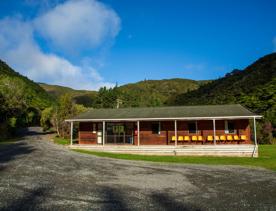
[{"x": 37, "y": 174}]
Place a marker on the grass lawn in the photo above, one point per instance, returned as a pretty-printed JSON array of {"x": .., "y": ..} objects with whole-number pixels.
[
  {"x": 266, "y": 159},
  {"x": 61, "y": 141}
]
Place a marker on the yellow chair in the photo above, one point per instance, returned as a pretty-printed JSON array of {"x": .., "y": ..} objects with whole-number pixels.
[
  {"x": 187, "y": 138},
  {"x": 200, "y": 138},
  {"x": 236, "y": 138},
  {"x": 173, "y": 138},
  {"x": 180, "y": 138},
  {"x": 194, "y": 138},
  {"x": 229, "y": 138},
  {"x": 243, "y": 137},
  {"x": 217, "y": 138},
  {"x": 222, "y": 138},
  {"x": 210, "y": 138}
]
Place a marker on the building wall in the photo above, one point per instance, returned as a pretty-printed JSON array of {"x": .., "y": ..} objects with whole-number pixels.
[{"x": 205, "y": 128}]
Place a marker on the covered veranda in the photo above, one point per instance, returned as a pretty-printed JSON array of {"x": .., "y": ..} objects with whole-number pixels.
[{"x": 128, "y": 134}]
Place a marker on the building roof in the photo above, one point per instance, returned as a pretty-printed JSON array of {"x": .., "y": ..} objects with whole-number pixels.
[{"x": 167, "y": 113}]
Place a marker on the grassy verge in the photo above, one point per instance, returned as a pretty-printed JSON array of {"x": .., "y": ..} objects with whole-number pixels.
[
  {"x": 266, "y": 159},
  {"x": 61, "y": 141}
]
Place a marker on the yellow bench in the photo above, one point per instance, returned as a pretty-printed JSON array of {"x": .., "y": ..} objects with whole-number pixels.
[{"x": 173, "y": 138}]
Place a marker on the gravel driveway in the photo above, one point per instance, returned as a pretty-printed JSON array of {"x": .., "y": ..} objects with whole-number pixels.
[{"x": 37, "y": 174}]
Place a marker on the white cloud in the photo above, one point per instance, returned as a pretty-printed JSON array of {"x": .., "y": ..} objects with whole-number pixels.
[
  {"x": 20, "y": 50},
  {"x": 78, "y": 24},
  {"x": 274, "y": 44}
]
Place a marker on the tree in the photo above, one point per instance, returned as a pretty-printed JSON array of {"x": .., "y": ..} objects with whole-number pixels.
[{"x": 46, "y": 118}]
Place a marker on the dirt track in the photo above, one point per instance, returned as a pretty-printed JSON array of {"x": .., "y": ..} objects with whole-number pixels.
[{"x": 37, "y": 174}]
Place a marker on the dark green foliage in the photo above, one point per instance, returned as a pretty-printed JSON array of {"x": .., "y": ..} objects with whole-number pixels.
[
  {"x": 21, "y": 100},
  {"x": 254, "y": 87},
  {"x": 107, "y": 98},
  {"x": 155, "y": 92}
]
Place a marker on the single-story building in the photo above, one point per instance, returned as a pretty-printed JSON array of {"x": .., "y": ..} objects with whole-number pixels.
[{"x": 166, "y": 126}]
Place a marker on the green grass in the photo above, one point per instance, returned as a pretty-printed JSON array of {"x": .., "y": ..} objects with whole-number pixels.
[
  {"x": 61, "y": 141},
  {"x": 266, "y": 159}
]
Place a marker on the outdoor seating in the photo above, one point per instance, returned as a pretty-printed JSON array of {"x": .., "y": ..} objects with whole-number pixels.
[
  {"x": 222, "y": 138},
  {"x": 236, "y": 138},
  {"x": 173, "y": 138},
  {"x": 200, "y": 138},
  {"x": 210, "y": 138},
  {"x": 194, "y": 138},
  {"x": 180, "y": 138},
  {"x": 243, "y": 138},
  {"x": 187, "y": 138},
  {"x": 229, "y": 138}
]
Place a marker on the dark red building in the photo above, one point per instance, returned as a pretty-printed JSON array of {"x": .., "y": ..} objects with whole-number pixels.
[{"x": 178, "y": 125}]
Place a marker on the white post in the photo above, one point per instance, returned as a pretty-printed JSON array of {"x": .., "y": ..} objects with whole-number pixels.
[
  {"x": 71, "y": 133},
  {"x": 138, "y": 133},
  {"x": 214, "y": 126},
  {"x": 255, "y": 131},
  {"x": 175, "y": 132},
  {"x": 255, "y": 137},
  {"x": 103, "y": 133}
]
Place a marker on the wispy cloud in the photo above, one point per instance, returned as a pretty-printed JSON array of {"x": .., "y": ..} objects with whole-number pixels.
[{"x": 71, "y": 25}]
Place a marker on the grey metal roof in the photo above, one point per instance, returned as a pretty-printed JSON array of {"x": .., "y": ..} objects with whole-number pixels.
[{"x": 172, "y": 112}]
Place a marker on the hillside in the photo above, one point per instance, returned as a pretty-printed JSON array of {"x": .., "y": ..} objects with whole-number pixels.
[
  {"x": 254, "y": 87},
  {"x": 80, "y": 96},
  {"x": 156, "y": 92},
  {"x": 21, "y": 101},
  {"x": 143, "y": 93},
  {"x": 14, "y": 84}
]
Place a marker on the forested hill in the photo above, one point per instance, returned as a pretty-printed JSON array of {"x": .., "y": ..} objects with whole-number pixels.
[
  {"x": 254, "y": 87},
  {"x": 21, "y": 100},
  {"x": 143, "y": 93},
  {"x": 156, "y": 92},
  {"x": 83, "y": 97},
  {"x": 22, "y": 90}
]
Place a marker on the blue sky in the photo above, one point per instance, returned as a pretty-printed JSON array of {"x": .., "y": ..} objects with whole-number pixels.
[{"x": 86, "y": 44}]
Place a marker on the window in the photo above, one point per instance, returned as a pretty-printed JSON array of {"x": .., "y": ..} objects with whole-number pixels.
[
  {"x": 156, "y": 127},
  {"x": 229, "y": 127},
  {"x": 192, "y": 127}
]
